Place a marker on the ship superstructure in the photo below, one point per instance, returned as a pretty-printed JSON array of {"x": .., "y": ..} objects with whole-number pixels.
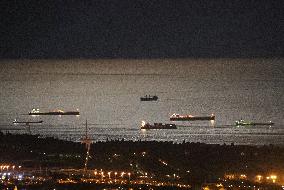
[{"x": 145, "y": 125}]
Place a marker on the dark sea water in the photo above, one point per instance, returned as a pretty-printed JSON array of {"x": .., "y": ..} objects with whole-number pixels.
[{"x": 107, "y": 94}]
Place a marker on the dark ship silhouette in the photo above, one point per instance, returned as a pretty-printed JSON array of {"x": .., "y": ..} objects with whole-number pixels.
[{"x": 149, "y": 98}]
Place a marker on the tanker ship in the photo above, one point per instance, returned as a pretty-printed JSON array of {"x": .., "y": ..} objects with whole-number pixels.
[{"x": 177, "y": 117}]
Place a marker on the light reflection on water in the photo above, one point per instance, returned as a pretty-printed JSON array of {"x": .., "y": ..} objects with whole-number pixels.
[{"x": 249, "y": 135}]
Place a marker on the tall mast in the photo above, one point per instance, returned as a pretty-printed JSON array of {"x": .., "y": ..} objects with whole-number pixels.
[{"x": 87, "y": 141}]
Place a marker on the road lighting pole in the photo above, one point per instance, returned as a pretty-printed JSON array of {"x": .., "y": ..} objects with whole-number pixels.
[{"x": 129, "y": 176}]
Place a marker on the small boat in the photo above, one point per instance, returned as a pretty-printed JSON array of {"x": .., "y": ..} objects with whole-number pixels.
[
  {"x": 149, "y": 98},
  {"x": 57, "y": 112},
  {"x": 27, "y": 122},
  {"x": 145, "y": 125},
  {"x": 177, "y": 117},
  {"x": 242, "y": 123}
]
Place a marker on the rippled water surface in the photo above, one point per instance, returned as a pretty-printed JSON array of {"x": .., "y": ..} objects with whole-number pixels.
[{"x": 107, "y": 93}]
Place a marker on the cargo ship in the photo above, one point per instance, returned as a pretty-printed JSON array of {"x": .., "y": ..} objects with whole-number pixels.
[
  {"x": 242, "y": 123},
  {"x": 149, "y": 98},
  {"x": 145, "y": 125},
  {"x": 57, "y": 112},
  {"x": 177, "y": 117}
]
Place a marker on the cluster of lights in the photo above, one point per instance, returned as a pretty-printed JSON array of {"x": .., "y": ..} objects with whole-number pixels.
[
  {"x": 258, "y": 178},
  {"x": 272, "y": 178},
  {"x": 231, "y": 186},
  {"x": 153, "y": 182},
  {"x": 3, "y": 167},
  {"x": 243, "y": 176},
  {"x": 110, "y": 172},
  {"x": 163, "y": 162},
  {"x": 6, "y": 167},
  {"x": 8, "y": 175},
  {"x": 7, "y": 172},
  {"x": 122, "y": 177}
]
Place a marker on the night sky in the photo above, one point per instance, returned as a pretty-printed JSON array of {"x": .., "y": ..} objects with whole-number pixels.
[{"x": 141, "y": 29}]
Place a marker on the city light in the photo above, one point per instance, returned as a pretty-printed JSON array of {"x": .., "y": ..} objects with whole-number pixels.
[
  {"x": 243, "y": 176},
  {"x": 259, "y": 177},
  {"x": 98, "y": 177}
]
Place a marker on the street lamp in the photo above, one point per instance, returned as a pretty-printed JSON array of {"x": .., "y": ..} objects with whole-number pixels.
[
  {"x": 129, "y": 176},
  {"x": 115, "y": 173},
  {"x": 259, "y": 177},
  {"x": 109, "y": 174}
]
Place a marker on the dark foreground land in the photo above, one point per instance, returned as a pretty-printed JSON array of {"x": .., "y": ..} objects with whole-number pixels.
[{"x": 185, "y": 163}]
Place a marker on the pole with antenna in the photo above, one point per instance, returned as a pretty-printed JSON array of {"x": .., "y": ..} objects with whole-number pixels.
[
  {"x": 28, "y": 128},
  {"x": 87, "y": 141}
]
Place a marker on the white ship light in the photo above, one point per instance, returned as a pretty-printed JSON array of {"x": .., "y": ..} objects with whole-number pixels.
[{"x": 212, "y": 122}]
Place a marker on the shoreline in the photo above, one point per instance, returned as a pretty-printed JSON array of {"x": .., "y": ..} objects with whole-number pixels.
[{"x": 183, "y": 136}]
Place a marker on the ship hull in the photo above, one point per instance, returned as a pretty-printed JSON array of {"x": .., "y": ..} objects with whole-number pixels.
[
  {"x": 159, "y": 127},
  {"x": 55, "y": 113},
  {"x": 27, "y": 122},
  {"x": 244, "y": 124},
  {"x": 148, "y": 99},
  {"x": 194, "y": 118}
]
